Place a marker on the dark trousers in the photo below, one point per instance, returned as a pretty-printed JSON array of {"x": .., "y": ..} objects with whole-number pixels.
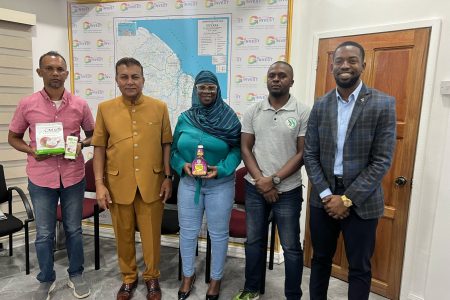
[
  {"x": 359, "y": 238},
  {"x": 286, "y": 212}
]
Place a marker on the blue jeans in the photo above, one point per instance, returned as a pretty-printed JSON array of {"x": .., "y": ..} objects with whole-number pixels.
[
  {"x": 216, "y": 199},
  {"x": 286, "y": 213},
  {"x": 45, "y": 201}
]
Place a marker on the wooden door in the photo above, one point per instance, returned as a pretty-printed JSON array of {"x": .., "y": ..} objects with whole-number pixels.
[{"x": 396, "y": 63}]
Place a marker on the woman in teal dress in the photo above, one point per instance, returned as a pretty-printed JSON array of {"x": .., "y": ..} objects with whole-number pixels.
[{"x": 212, "y": 123}]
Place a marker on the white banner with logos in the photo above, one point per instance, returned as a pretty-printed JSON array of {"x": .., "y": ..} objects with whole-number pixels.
[{"x": 236, "y": 39}]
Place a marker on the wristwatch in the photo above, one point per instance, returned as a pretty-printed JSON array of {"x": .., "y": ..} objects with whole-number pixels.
[
  {"x": 82, "y": 144},
  {"x": 347, "y": 202},
  {"x": 171, "y": 177},
  {"x": 276, "y": 180}
]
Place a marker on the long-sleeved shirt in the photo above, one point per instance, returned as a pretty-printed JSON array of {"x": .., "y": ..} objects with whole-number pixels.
[
  {"x": 216, "y": 152},
  {"x": 345, "y": 109}
]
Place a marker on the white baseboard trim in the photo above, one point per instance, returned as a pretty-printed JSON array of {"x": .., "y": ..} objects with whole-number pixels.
[
  {"x": 414, "y": 297},
  {"x": 234, "y": 249},
  {"x": 18, "y": 239},
  {"x": 106, "y": 231}
]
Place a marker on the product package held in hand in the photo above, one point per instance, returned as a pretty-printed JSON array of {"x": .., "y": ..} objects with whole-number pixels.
[
  {"x": 71, "y": 147},
  {"x": 49, "y": 138}
]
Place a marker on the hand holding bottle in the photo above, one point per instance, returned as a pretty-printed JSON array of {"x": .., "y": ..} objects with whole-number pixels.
[
  {"x": 212, "y": 173},
  {"x": 187, "y": 169}
]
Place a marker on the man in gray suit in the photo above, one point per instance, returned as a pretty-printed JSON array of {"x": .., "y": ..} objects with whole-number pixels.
[{"x": 349, "y": 146}]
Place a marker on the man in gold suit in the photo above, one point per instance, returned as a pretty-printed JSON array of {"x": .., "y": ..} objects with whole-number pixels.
[{"x": 132, "y": 140}]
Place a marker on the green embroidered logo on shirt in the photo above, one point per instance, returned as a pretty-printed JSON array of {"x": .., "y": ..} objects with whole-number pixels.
[{"x": 291, "y": 123}]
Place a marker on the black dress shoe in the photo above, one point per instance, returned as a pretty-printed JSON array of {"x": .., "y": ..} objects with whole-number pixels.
[
  {"x": 212, "y": 297},
  {"x": 185, "y": 295}
]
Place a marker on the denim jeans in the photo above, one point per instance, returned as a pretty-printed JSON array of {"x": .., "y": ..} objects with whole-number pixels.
[
  {"x": 45, "y": 201},
  {"x": 286, "y": 213},
  {"x": 216, "y": 200}
]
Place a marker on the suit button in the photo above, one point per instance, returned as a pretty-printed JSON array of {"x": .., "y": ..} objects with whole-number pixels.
[
  {"x": 135, "y": 145},
  {"x": 134, "y": 122},
  {"x": 137, "y": 170},
  {"x": 136, "y": 157},
  {"x": 133, "y": 110},
  {"x": 135, "y": 133}
]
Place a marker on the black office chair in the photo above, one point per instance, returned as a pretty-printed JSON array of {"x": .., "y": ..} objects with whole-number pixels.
[
  {"x": 238, "y": 229},
  {"x": 170, "y": 224},
  {"x": 90, "y": 209},
  {"x": 12, "y": 224}
]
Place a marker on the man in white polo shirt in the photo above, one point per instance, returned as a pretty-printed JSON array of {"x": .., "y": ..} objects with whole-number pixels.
[{"x": 272, "y": 140}]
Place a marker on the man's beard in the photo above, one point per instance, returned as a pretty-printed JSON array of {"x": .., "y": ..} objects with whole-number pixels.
[
  {"x": 347, "y": 84},
  {"x": 278, "y": 93}
]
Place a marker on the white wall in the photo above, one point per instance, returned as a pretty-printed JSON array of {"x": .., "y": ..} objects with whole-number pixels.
[
  {"x": 50, "y": 32},
  {"x": 427, "y": 260}
]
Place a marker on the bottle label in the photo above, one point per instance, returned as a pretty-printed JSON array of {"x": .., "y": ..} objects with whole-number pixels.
[{"x": 199, "y": 167}]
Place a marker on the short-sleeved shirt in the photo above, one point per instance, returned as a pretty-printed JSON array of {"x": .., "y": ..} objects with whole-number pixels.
[
  {"x": 74, "y": 113},
  {"x": 276, "y": 133},
  {"x": 133, "y": 134}
]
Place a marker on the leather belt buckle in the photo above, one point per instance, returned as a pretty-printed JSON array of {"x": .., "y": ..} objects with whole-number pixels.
[{"x": 339, "y": 180}]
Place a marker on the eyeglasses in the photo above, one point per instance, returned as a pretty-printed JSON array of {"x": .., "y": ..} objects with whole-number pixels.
[{"x": 206, "y": 88}]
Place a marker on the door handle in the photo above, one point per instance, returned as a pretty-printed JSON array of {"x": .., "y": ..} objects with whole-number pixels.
[{"x": 400, "y": 181}]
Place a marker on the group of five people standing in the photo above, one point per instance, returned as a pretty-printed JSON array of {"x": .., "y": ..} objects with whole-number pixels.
[{"x": 347, "y": 146}]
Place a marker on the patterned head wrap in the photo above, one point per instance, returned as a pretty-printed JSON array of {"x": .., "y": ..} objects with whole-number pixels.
[{"x": 217, "y": 119}]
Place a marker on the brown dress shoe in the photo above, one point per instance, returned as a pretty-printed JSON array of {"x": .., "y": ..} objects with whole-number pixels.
[
  {"x": 126, "y": 290},
  {"x": 153, "y": 289}
]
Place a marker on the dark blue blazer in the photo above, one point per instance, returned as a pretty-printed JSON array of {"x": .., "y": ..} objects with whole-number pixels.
[{"x": 368, "y": 149}]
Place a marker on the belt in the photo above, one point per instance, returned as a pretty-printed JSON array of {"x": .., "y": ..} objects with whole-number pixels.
[{"x": 339, "y": 181}]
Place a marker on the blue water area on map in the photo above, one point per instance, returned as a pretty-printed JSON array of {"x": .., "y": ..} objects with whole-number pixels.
[{"x": 181, "y": 36}]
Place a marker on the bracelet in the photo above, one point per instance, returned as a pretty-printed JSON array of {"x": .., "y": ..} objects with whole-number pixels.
[{"x": 97, "y": 179}]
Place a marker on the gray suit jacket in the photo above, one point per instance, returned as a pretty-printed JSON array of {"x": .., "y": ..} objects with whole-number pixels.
[{"x": 368, "y": 149}]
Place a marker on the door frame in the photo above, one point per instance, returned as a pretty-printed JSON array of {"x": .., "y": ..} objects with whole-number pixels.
[{"x": 421, "y": 214}]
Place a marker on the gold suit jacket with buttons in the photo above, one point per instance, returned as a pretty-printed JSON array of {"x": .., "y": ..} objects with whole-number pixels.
[{"x": 133, "y": 135}]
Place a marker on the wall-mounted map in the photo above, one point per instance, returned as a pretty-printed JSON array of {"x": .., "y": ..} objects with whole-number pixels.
[
  {"x": 172, "y": 51},
  {"x": 174, "y": 40}
]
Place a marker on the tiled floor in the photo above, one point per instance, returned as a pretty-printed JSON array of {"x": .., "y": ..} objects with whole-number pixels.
[{"x": 14, "y": 284}]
